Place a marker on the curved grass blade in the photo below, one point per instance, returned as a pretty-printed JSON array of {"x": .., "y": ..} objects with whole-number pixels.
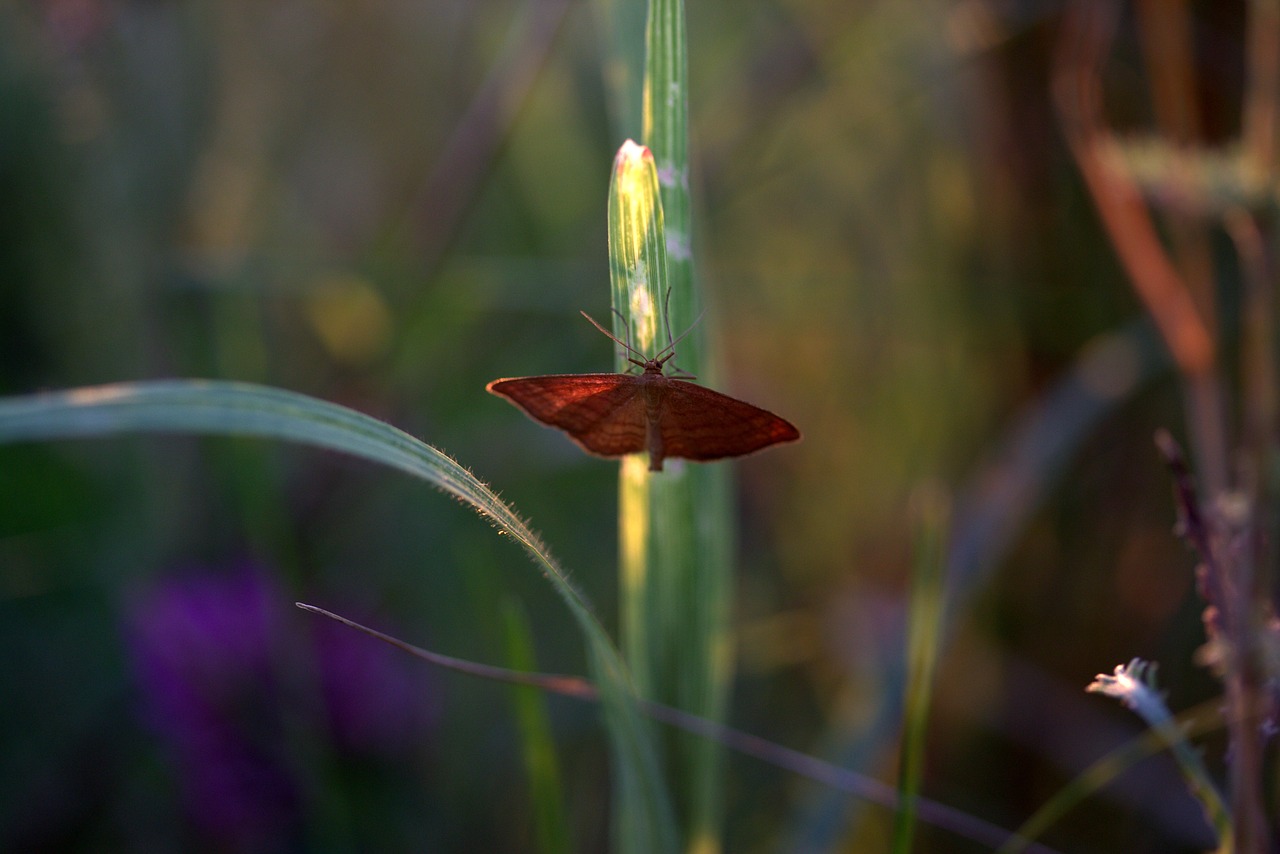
[{"x": 240, "y": 409}]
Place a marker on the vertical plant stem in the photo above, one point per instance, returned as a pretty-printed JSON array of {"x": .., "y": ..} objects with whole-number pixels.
[
  {"x": 623, "y": 60},
  {"x": 1260, "y": 415},
  {"x": 1230, "y": 623},
  {"x": 675, "y": 526},
  {"x": 1262, "y": 92},
  {"x": 1164, "y": 27},
  {"x": 637, "y": 271},
  {"x": 694, "y": 528},
  {"x": 1124, "y": 214},
  {"x": 924, "y": 633}
]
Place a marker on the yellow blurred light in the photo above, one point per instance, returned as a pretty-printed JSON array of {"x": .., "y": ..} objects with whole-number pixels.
[{"x": 350, "y": 318}]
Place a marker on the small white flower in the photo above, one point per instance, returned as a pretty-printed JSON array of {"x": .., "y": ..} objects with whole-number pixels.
[{"x": 1134, "y": 684}]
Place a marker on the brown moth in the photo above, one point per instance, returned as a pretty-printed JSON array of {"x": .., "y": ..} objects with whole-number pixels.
[{"x": 611, "y": 415}]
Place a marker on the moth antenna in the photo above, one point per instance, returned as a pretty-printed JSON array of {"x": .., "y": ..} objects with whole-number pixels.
[
  {"x": 614, "y": 338},
  {"x": 625, "y": 325},
  {"x": 683, "y": 335},
  {"x": 635, "y": 357},
  {"x": 666, "y": 316}
]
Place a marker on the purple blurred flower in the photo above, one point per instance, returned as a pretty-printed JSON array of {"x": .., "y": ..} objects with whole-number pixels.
[
  {"x": 223, "y": 666},
  {"x": 374, "y": 697}
]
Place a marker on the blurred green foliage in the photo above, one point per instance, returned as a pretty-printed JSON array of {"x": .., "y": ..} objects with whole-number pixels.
[{"x": 900, "y": 259}]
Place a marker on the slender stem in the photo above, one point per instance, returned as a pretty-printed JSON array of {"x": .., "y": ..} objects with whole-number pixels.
[
  {"x": 1260, "y": 403},
  {"x": 924, "y": 635},
  {"x": 1262, "y": 92},
  {"x": 575, "y": 687},
  {"x": 1230, "y": 622},
  {"x": 1165, "y": 33},
  {"x": 1133, "y": 235},
  {"x": 1225, "y": 534},
  {"x": 1164, "y": 27}
]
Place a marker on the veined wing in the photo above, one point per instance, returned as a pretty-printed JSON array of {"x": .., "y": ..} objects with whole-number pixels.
[
  {"x": 603, "y": 413},
  {"x": 700, "y": 424}
]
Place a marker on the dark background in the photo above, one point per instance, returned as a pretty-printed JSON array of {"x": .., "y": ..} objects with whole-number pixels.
[{"x": 899, "y": 257}]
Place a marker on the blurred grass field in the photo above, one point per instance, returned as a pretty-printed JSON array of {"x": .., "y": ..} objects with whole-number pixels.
[{"x": 387, "y": 206}]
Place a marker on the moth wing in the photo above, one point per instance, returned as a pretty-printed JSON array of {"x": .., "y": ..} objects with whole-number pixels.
[
  {"x": 603, "y": 413},
  {"x": 700, "y": 424}
]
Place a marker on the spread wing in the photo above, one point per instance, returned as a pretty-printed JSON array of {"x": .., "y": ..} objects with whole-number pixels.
[
  {"x": 603, "y": 413},
  {"x": 700, "y": 424}
]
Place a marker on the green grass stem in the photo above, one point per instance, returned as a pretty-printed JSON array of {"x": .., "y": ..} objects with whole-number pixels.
[
  {"x": 551, "y": 829},
  {"x": 676, "y": 531},
  {"x": 924, "y": 635},
  {"x": 1195, "y": 722}
]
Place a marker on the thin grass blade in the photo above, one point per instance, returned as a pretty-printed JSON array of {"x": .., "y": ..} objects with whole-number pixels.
[
  {"x": 239, "y": 409},
  {"x": 924, "y": 635},
  {"x": 541, "y": 767}
]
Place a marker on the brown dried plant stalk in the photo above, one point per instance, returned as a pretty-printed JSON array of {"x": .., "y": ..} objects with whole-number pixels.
[{"x": 1230, "y": 520}]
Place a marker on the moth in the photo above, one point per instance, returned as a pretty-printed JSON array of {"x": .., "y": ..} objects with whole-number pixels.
[{"x": 611, "y": 415}]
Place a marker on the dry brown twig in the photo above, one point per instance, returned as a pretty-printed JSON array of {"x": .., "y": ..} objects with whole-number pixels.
[{"x": 1228, "y": 527}]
